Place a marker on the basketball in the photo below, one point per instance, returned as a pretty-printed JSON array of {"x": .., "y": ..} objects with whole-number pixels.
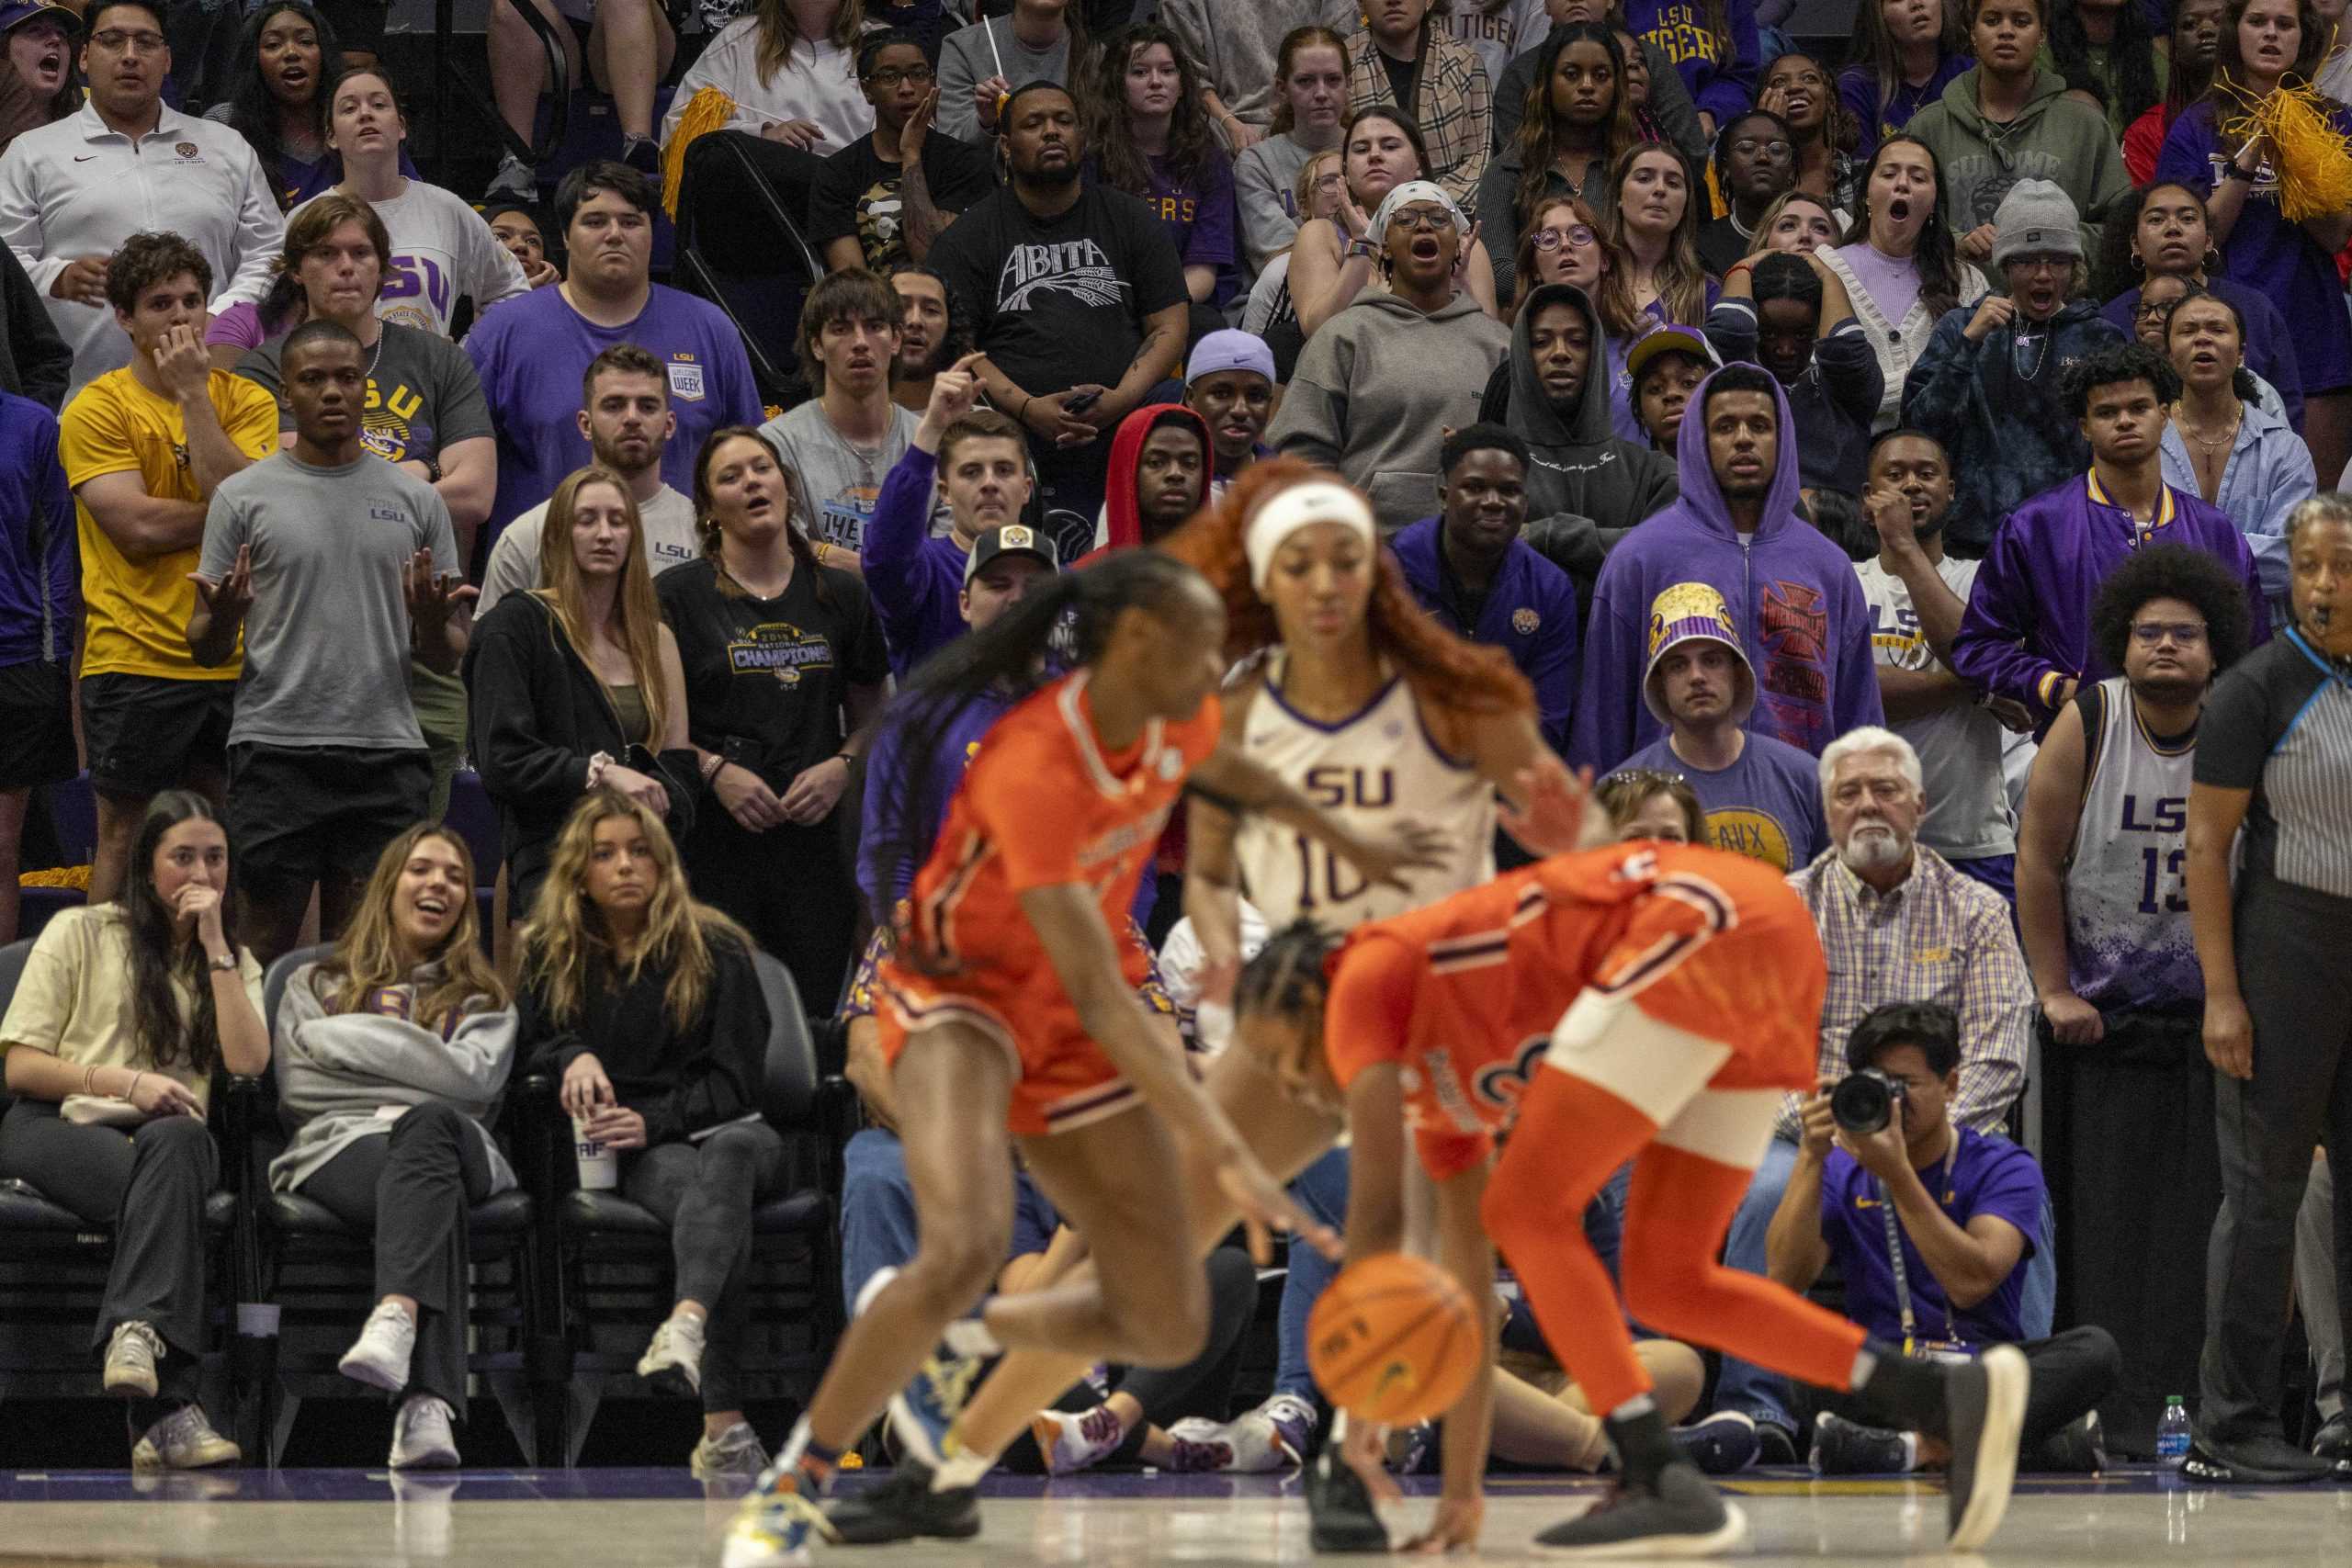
[{"x": 1394, "y": 1339}]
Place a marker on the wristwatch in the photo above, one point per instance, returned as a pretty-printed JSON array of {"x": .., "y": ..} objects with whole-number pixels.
[{"x": 226, "y": 961}]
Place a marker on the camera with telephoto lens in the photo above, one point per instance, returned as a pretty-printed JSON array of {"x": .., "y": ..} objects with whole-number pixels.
[{"x": 1864, "y": 1102}]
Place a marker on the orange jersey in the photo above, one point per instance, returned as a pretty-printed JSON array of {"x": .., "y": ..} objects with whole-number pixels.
[
  {"x": 1041, "y": 806},
  {"x": 1712, "y": 943}
]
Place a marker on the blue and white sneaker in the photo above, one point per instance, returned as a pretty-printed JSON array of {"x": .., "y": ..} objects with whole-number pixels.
[
  {"x": 774, "y": 1525},
  {"x": 921, "y": 1413},
  {"x": 1724, "y": 1444}
]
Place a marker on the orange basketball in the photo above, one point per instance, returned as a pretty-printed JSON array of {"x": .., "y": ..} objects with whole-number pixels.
[{"x": 1394, "y": 1339}]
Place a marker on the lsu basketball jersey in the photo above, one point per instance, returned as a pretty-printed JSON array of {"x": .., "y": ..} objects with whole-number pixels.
[
  {"x": 2128, "y": 937},
  {"x": 1376, "y": 772}
]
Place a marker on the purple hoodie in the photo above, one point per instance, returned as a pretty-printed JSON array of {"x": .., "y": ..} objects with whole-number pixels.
[
  {"x": 916, "y": 581},
  {"x": 1796, "y": 597}
]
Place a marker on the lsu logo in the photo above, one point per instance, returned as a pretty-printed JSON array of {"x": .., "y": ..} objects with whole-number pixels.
[
  {"x": 1524, "y": 621},
  {"x": 1690, "y": 609}
]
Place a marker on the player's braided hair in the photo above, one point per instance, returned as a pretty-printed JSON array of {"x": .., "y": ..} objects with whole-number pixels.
[{"x": 1286, "y": 976}]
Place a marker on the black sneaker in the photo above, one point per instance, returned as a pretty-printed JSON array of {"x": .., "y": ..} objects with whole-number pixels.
[
  {"x": 2264, "y": 1460},
  {"x": 2079, "y": 1448},
  {"x": 1677, "y": 1514},
  {"x": 1724, "y": 1444},
  {"x": 1338, "y": 1509},
  {"x": 1848, "y": 1448},
  {"x": 1775, "y": 1444},
  {"x": 1985, "y": 1415},
  {"x": 902, "y": 1508},
  {"x": 2334, "y": 1443}
]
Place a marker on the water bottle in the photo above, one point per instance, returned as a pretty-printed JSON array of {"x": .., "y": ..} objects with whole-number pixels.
[{"x": 2172, "y": 1432}]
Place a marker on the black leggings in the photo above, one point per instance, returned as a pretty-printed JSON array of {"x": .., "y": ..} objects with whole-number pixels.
[
  {"x": 705, "y": 1192},
  {"x": 413, "y": 1188},
  {"x": 148, "y": 1186},
  {"x": 790, "y": 887}
]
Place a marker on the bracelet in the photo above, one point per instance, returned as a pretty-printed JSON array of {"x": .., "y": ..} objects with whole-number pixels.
[
  {"x": 710, "y": 766},
  {"x": 1360, "y": 249},
  {"x": 226, "y": 962},
  {"x": 1027, "y": 399},
  {"x": 596, "y": 766},
  {"x": 134, "y": 1089},
  {"x": 433, "y": 470},
  {"x": 2232, "y": 172},
  {"x": 818, "y": 549},
  {"x": 88, "y": 1074}
]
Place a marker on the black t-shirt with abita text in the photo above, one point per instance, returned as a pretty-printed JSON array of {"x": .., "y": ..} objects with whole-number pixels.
[
  {"x": 766, "y": 678},
  {"x": 1058, "y": 302}
]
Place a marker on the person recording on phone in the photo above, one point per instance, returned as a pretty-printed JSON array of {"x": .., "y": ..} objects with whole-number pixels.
[{"x": 1930, "y": 1224}]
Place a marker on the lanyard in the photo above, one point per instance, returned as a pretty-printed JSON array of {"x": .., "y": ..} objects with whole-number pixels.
[{"x": 1902, "y": 1274}]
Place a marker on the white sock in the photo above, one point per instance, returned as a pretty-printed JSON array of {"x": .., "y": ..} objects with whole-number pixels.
[
  {"x": 1865, "y": 1364},
  {"x": 961, "y": 1468},
  {"x": 1640, "y": 1405}
]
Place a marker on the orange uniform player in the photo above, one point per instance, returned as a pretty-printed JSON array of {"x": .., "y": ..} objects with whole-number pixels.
[
  {"x": 1643, "y": 1002},
  {"x": 1040, "y": 807}
]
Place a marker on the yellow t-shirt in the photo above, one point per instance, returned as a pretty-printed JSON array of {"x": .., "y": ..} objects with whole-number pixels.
[
  {"x": 75, "y": 999},
  {"x": 137, "y": 609}
]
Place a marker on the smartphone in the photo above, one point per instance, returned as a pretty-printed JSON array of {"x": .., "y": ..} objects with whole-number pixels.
[{"x": 1080, "y": 404}]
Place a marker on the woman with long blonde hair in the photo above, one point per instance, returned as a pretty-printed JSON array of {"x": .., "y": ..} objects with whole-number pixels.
[
  {"x": 577, "y": 684},
  {"x": 644, "y": 1003},
  {"x": 392, "y": 1052},
  {"x": 1653, "y": 275}
]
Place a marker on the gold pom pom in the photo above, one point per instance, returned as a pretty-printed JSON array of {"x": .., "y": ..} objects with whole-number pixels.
[{"x": 2311, "y": 157}]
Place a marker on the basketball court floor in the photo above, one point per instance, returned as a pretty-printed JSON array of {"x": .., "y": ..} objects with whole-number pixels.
[{"x": 321, "y": 1518}]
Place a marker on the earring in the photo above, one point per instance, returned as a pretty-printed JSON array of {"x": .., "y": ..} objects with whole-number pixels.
[{"x": 2138, "y": 266}]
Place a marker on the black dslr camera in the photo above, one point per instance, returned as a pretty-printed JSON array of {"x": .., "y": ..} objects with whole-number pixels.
[{"x": 1864, "y": 1102}]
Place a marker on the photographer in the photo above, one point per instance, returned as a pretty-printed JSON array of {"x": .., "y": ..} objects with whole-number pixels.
[{"x": 1931, "y": 1224}]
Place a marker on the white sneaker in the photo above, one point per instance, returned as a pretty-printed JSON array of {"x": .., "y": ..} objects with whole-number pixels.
[
  {"x": 733, "y": 1454},
  {"x": 420, "y": 1435},
  {"x": 131, "y": 1355},
  {"x": 378, "y": 1358},
  {"x": 673, "y": 1361},
  {"x": 183, "y": 1440},
  {"x": 1272, "y": 1436},
  {"x": 1071, "y": 1442}
]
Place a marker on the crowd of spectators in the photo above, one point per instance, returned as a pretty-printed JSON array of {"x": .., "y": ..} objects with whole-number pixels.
[{"x": 1913, "y": 467}]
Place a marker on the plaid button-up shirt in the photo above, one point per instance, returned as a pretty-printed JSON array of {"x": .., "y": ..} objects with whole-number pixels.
[
  {"x": 1452, "y": 104},
  {"x": 1938, "y": 937}
]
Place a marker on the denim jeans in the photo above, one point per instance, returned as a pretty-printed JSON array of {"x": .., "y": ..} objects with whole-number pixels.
[
  {"x": 1322, "y": 1190},
  {"x": 1763, "y": 1395},
  {"x": 878, "y": 1213}
]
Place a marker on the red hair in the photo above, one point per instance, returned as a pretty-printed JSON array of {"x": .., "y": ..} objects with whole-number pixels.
[{"x": 1463, "y": 678}]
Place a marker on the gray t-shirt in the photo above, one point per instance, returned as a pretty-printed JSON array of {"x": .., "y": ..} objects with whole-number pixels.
[
  {"x": 327, "y": 639},
  {"x": 422, "y": 393},
  {"x": 1960, "y": 745},
  {"x": 667, "y": 519},
  {"x": 840, "y": 483},
  {"x": 973, "y": 54}
]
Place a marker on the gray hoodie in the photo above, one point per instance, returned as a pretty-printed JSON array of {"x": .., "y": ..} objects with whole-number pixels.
[
  {"x": 1376, "y": 389},
  {"x": 1585, "y": 488},
  {"x": 2053, "y": 138},
  {"x": 338, "y": 1072}
]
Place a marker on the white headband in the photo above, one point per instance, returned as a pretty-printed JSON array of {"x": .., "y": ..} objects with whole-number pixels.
[
  {"x": 1417, "y": 190},
  {"x": 1316, "y": 500}
]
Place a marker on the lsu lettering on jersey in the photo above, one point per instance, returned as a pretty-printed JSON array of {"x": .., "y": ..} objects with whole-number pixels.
[
  {"x": 2128, "y": 937},
  {"x": 1711, "y": 943},
  {"x": 1376, "y": 772}
]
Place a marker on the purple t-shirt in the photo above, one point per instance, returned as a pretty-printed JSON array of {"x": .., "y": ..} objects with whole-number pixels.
[
  {"x": 1987, "y": 1175},
  {"x": 1201, "y": 218},
  {"x": 2268, "y": 254},
  {"x": 1893, "y": 281},
  {"x": 531, "y": 352},
  {"x": 1767, "y": 806},
  {"x": 1858, "y": 89}
]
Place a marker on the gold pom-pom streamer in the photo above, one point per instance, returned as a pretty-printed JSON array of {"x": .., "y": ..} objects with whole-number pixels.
[
  {"x": 706, "y": 111},
  {"x": 2313, "y": 160}
]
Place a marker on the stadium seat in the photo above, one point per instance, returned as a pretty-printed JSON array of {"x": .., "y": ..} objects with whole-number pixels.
[
  {"x": 53, "y": 1264},
  {"x": 761, "y": 284},
  {"x": 611, "y": 1257},
  {"x": 321, "y": 1274}
]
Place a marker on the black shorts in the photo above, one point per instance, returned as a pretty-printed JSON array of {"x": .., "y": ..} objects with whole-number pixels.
[
  {"x": 36, "y": 725},
  {"x": 147, "y": 733},
  {"x": 320, "y": 813},
  {"x": 358, "y": 25}
]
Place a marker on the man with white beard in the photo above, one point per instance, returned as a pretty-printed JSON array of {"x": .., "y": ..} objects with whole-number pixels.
[{"x": 1898, "y": 924}]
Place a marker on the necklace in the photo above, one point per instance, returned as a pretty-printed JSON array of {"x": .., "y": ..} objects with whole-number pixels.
[
  {"x": 2039, "y": 344},
  {"x": 2221, "y": 444}
]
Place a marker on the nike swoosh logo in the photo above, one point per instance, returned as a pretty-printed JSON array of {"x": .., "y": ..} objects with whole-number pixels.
[{"x": 80, "y": 158}]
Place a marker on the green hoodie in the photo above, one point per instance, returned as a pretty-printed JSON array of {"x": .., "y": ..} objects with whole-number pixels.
[{"x": 2054, "y": 138}]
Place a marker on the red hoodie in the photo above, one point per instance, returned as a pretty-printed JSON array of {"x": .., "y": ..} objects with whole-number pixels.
[{"x": 1119, "y": 510}]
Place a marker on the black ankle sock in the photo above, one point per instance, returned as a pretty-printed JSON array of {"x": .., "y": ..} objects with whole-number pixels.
[
  {"x": 1904, "y": 1394},
  {"x": 1644, "y": 1446}
]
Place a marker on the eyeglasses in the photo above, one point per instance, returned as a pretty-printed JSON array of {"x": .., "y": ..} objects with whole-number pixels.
[
  {"x": 121, "y": 42},
  {"x": 2039, "y": 262},
  {"x": 892, "y": 75},
  {"x": 2151, "y": 310},
  {"x": 1430, "y": 218},
  {"x": 1327, "y": 182},
  {"x": 1748, "y": 147},
  {"x": 1574, "y": 235},
  {"x": 2153, "y": 633}
]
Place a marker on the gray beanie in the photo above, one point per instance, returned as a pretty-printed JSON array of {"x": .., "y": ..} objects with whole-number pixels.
[{"x": 2036, "y": 219}]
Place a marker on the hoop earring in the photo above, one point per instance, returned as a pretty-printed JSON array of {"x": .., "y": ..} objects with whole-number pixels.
[
  {"x": 2212, "y": 261},
  {"x": 2138, "y": 265}
]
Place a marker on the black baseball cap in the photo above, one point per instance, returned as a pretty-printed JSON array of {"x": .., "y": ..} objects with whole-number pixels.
[{"x": 1012, "y": 539}]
